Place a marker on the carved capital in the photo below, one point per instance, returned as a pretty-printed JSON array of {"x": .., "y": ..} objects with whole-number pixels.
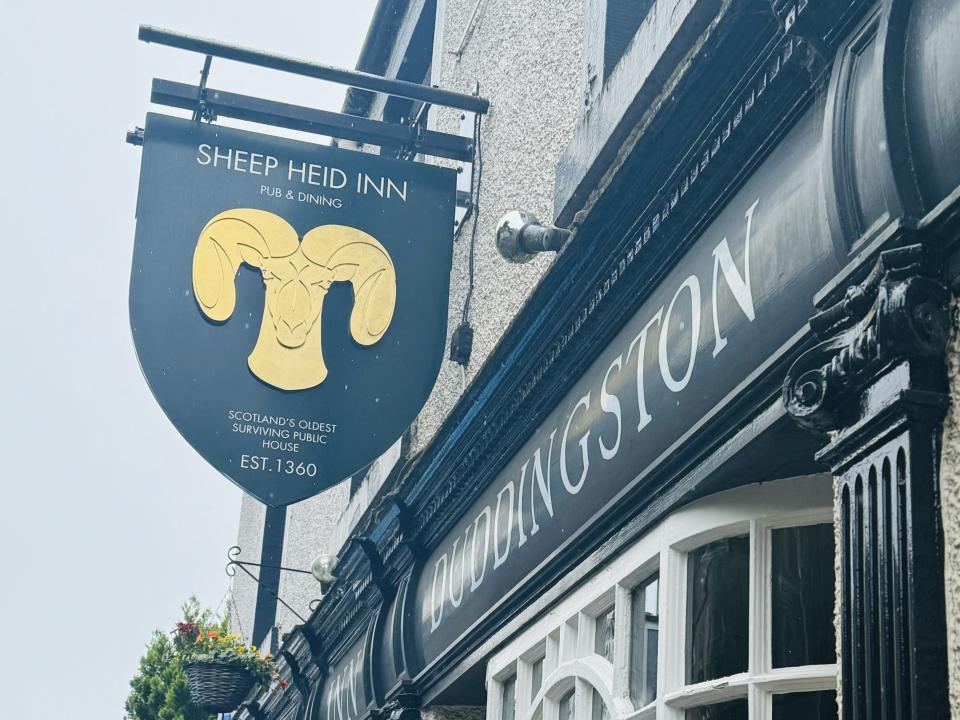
[
  {"x": 899, "y": 312},
  {"x": 405, "y": 706}
]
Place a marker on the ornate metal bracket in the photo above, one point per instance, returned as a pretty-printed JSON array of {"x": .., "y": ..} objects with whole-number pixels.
[
  {"x": 203, "y": 111},
  {"x": 231, "y": 570}
]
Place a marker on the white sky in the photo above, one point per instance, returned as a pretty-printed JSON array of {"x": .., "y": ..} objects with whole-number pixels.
[{"x": 108, "y": 519}]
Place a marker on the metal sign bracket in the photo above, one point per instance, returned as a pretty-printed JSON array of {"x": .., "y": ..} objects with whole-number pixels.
[
  {"x": 203, "y": 111},
  {"x": 406, "y": 141}
]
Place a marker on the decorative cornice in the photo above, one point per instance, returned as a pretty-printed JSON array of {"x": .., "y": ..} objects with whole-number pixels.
[{"x": 898, "y": 312}]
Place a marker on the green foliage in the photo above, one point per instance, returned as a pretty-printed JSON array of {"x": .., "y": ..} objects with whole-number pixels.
[{"x": 159, "y": 689}]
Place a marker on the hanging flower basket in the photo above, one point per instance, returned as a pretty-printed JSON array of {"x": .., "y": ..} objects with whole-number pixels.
[
  {"x": 218, "y": 687},
  {"x": 221, "y": 670}
]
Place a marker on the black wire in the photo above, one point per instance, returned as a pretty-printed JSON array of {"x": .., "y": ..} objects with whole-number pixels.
[{"x": 476, "y": 172}]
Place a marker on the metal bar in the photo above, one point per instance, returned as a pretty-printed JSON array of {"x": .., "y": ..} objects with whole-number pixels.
[
  {"x": 467, "y": 31},
  {"x": 275, "y": 595},
  {"x": 275, "y": 567},
  {"x": 353, "y": 78},
  {"x": 321, "y": 122},
  {"x": 204, "y": 74}
]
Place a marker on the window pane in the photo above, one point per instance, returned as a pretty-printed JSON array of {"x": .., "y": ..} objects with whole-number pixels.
[
  {"x": 643, "y": 642},
  {"x": 806, "y": 706},
  {"x": 803, "y": 596},
  {"x": 733, "y": 710},
  {"x": 566, "y": 706},
  {"x": 536, "y": 680},
  {"x": 603, "y": 635},
  {"x": 599, "y": 709},
  {"x": 718, "y": 589},
  {"x": 510, "y": 698}
]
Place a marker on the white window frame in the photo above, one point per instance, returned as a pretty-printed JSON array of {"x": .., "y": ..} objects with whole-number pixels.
[{"x": 564, "y": 634}]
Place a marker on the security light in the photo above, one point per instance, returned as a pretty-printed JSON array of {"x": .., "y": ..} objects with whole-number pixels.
[
  {"x": 520, "y": 236},
  {"x": 322, "y": 568}
]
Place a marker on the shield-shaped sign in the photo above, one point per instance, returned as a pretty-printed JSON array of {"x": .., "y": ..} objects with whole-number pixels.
[{"x": 288, "y": 301}]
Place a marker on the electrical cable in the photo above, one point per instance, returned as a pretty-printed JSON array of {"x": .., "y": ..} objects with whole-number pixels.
[{"x": 476, "y": 174}]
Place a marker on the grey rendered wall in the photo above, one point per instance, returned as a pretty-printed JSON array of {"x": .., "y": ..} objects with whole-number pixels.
[
  {"x": 950, "y": 496},
  {"x": 453, "y": 712},
  {"x": 309, "y": 526},
  {"x": 243, "y": 590},
  {"x": 526, "y": 55}
]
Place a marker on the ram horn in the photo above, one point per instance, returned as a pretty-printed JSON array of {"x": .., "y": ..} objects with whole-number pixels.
[
  {"x": 356, "y": 256},
  {"x": 231, "y": 238}
]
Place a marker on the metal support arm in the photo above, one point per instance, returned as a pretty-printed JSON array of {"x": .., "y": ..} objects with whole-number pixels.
[
  {"x": 353, "y": 78},
  {"x": 322, "y": 122}
]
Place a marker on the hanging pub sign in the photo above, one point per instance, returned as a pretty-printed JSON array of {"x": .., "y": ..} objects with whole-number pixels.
[{"x": 288, "y": 301}]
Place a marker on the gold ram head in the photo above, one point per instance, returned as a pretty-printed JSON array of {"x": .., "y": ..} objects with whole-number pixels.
[{"x": 296, "y": 277}]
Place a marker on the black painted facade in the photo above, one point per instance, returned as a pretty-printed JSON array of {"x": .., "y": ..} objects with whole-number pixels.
[{"x": 859, "y": 390}]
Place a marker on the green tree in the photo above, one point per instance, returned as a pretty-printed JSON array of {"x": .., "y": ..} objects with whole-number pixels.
[{"x": 159, "y": 689}]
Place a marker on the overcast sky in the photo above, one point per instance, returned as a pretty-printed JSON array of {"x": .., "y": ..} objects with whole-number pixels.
[{"x": 109, "y": 519}]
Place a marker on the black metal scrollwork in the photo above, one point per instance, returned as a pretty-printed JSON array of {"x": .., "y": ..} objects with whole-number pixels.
[{"x": 231, "y": 570}]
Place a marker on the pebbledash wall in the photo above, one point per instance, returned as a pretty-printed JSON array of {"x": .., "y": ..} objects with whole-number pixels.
[
  {"x": 950, "y": 491},
  {"x": 781, "y": 175}
]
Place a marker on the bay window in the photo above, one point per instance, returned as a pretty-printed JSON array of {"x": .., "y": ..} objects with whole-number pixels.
[{"x": 723, "y": 611}]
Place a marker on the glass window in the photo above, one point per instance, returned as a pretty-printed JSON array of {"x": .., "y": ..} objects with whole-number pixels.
[
  {"x": 599, "y": 711},
  {"x": 806, "y": 706},
  {"x": 644, "y": 630},
  {"x": 752, "y": 613},
  {"x": 603, "y": 635},
  {"x": 733, "y": 710},
  {"x": 566, "y": 706},
  {"x": 510, "y": 698},
  {"x": 802, "y": 596},
  {"x": 536, "y": 679},
  {"x": 718, "y": 603}
]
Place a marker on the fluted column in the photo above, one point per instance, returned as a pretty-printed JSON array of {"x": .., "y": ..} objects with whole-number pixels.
[{"x": 877, "y": 385}]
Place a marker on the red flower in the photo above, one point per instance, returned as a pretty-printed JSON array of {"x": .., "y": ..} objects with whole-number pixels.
[
  {"x": 282, "y": 684},
  {"x": 187, "y": 630}
]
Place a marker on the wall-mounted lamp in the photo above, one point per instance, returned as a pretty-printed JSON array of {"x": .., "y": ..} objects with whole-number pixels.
[
  {"x": 322, "y": 569},
  {"x": 520, "y": 236}
]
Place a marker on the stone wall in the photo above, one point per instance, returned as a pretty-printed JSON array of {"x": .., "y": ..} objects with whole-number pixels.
[
  {"x": 453, "y": 712},
  {"x": 950, "y": 497}
]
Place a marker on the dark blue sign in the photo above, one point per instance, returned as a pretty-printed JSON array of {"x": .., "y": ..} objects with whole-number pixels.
[{"x": 288, "y": 301}]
